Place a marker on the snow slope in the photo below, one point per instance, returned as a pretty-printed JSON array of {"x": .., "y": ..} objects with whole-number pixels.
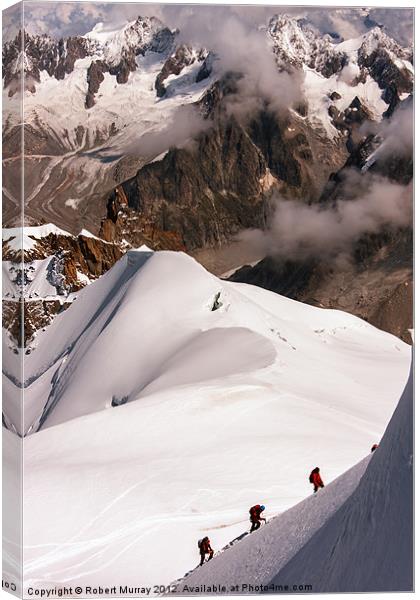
[
  {"x": 318, "y": 90},
  {"x": 252, "y": 560},
  {"x": 133, "y": 108},
  {"x": 355, "y": 535},
  {"x": 368, "y": 544},
  {"x": 142, "y": 325},
  {"x": 224, "y": 408}
]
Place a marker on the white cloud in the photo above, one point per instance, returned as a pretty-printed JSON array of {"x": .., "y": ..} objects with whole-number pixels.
[{"x": 299, "y": 231}]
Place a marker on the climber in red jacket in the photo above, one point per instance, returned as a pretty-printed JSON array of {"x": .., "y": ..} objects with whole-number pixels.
[
  {"x": 255, "y": 516},
  {"x": 316, "y": 479},
  {"x": 205, "y": 548}
]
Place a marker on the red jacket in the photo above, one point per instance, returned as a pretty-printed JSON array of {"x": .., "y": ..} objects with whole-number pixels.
[
  {"x": 205, "y": 546},
  {"x": 255, "y": 512},
  {"x": 316, "y": 479}
]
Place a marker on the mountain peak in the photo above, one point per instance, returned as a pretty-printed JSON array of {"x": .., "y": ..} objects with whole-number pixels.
[
  {"x": 134, "y": 38},
  {"x": 377, "y": 38},
  {"x": 297, "y": 43}
]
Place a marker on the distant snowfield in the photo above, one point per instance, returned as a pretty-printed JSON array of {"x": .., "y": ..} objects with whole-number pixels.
[
  {"x": 132, "y": 108},
  {"x": 318, "y": 89},
  {"x": 130, "y": 120},
  {"x": 223, "y": 409},
  {"x": 142, "y": 124}
]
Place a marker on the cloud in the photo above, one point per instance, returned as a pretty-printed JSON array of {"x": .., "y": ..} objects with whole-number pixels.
[
  {"x": 349, "y": 73},
  {"x": 298, "y": 231},
  {"x": 62, "y": 19},
  {"x": 397, "y": 133},
  {"x": 11, "y": 22},
  {"x": 346, "y": 23},
  {"x": 241, "y": 47},
  {"x": 398, "y": 22},
  {"x": 352, "y": 22},
  {"x": 180, "y": 131}
]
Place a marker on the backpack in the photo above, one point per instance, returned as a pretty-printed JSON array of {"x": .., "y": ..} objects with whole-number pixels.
[
  {"x": 199, "y": 543},
  {"x": 254, "y": 509},
  {"x": 311, "y": 477}
]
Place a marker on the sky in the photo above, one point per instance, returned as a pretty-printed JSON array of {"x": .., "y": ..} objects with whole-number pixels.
[{"x": 61, "y": 19}]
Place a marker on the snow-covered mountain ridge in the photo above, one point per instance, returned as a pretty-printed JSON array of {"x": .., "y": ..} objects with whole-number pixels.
[
  {"x": 211, "y": 305},
  {"x": 296, "y": 43},
  {"x": 153, "y": 373},
  {"x": 117, "y": 50},
  {"x": 143, "y": 34},
  {"x": 372, "y": 67}
]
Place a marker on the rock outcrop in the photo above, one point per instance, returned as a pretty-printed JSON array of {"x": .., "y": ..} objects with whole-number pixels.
[
  {"x": 67, "y": 264},
  {"x": 209, "y": 192},
  {"x": 184, "y": 56}
]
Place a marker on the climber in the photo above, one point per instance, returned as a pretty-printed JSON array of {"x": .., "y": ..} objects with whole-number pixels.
[
  {"x": 255, "y": 516},
  {"x": 374, "y": 447},
  {"x": 205, "y": 548},
  {"x": 315, "y": 479}
]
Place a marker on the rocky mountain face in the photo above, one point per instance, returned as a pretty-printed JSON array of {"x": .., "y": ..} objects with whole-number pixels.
[
  {"x": 41, "y": 278},
  {"x": 297, "y": 44},
  {"x": 206, "y": 195},
  {"x": 183, "y": 56},
  {"x": 40, "y": 53},
  {"x": 92, "y": 100},
  {"x": 388, "y": 64},
  {"x": 376, "y": 281},
  {"x": 207, "y": 192}
]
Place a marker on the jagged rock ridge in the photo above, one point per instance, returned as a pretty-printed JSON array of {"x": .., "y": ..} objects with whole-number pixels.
[{"x": 43, "y": 279}]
